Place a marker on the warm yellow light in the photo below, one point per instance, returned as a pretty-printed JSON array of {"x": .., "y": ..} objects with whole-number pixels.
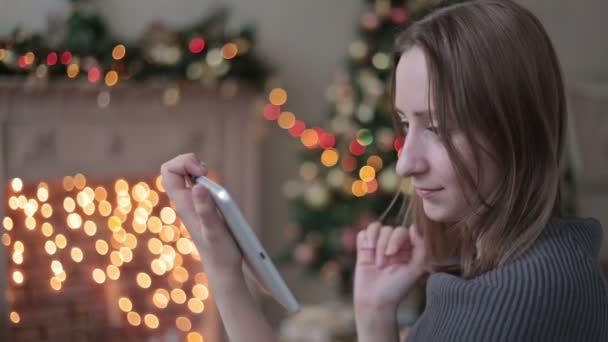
[
  {"x": 15, "y": 318},
  {"x": 375, "y": 162},
  {"x": 61, "y": 276},
  {"x": 167, "y": 234},
  {"x": 151, "y": 321},
  {"x": 100, "y": 194},
  {"x": 13, "y": 203},
  {"x": 80, "y": 181},
  {"x": 55, "y": 283},
  {"x": 17, "y": 184},
  {"x": 230, "y": 50},
  {"x": 125, "y": 304},
  {"x": 89, "y": 209},
  {"x": 31, "y": 207},
  {"x": 47, "y": 229},
  {"x": 119, "y": 52},
  {"x": 278, "y": 96},
  {"x": 155, "y": 246},
  {"x": 184, "y": 246},
  {"x": 134, "y": 319},
  {"x": 161, "y": 298},
  {"x": 178, "y": 296},
  {"x": 43, "y": 194},
  {"x": 18, "y": 277},
  {"x": 99, "y": 276},
  {"x": 367, "y": 173},
  {"x": 6, "y": 239},
  {"x": 61, "y": 241},
  {"x": 76, "y": 254},
  {"x": 30, "y": 223},
  {"x": 153, "y": 198},
  {"x": 200, "y": 291},
  {"x": 101, "y": 247},
  {"x": 74, "y": 221},
  {"x": 120, "y": 235},
  {"x": 111, "y": 78},
  {"x": 46, "y": 210},
  {"x": 73, "y": 70},
  {"x": 7, "y": 222},
  {"x": 359, "y": 188},
  {"x": 113, "y": 272},
  {"x": 287, "y": 120},
  {"x": 159, "y": 184},
  {"x": 114, "y": 223},
  {"x": 90, "y": 228},
  {"x": 195, "y": 337},
  {"x": 139, "y": 192},
  {"x": 196, "y": 305},
  {"x": 105, "y": 208},
  {"x": 309, "y": 137},
  {"x": 130, "y": 241},
  {"x": 126, "y": 254},
  {"x": 167, "y": 252},
  {"x": 158, "y": 267},
  {"x": 329, "y": 157},
  {"x": 183, "y": 323},
  {"x": 69, "y": 205},
  {"x": 116, "y": 258},
  {"x": 143, "y": 280},
  {"x": 22, "y": 201},
  {"x": 19, "y": 247},
  {"x": 154, "y": 224},
  {"x": 30, "y": 57},
  {"x": 50, "y": 247},
  {"x": 56, "y": 267},
  {"x": 138, "y": 227},
  {"x": 83, "y": 199},
  {"x": 168, "y": 215},
  {"x": 121, "y": 186},
  {"x": 180, "y": 274},
  {"x": 68, "y": 183}
]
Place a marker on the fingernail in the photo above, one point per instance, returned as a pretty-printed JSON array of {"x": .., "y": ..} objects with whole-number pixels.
[{"x": 379, "y": 261}]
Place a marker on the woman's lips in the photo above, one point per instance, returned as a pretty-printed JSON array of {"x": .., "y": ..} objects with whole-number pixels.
[{"x": 426, "y": 193}]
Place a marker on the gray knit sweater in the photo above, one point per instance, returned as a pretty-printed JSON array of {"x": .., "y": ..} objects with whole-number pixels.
[{"x": 554, "y": 292}]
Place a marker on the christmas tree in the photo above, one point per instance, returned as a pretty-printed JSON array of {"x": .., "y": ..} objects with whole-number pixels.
[{"x": 347, "y": 180}]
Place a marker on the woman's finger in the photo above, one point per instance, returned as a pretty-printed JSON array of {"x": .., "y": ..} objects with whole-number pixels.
[
  {"x": 205, "y": 208},
  {"x": 399, "y": 241},
  {"x": 383, "y": 237},
  {"x": 372, "y": 234},
  {"x": 177, "y": 169},
  {"x": 365, "y": 255}
]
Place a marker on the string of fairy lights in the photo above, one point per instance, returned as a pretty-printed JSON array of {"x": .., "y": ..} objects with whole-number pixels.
[
  {"x": 214, "y": 59},
  {"x": 318, "y": 138},
  {"x": 76, "y": 219}
]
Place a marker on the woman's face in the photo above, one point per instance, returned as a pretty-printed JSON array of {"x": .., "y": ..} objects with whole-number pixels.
[{"x": 424, "y": 157}]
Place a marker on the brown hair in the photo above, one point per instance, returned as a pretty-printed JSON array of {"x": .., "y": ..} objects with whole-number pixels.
[{"x": 494, "y": 75}]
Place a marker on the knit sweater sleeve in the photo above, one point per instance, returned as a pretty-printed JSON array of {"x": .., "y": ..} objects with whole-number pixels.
[{"x": 555, "y": 292}]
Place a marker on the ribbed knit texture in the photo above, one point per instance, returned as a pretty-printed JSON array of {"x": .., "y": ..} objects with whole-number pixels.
[{"x": 554, "y": 292}]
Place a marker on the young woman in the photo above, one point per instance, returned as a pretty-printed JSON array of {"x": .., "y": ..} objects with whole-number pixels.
[{"x": 479, "y": 97}]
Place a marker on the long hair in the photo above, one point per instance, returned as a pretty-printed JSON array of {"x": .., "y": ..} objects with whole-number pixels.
[{"x": 494, "y": 75}]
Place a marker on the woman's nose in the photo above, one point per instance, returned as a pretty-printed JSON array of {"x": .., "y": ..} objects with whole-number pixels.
[{"x": 412, "y": 158}]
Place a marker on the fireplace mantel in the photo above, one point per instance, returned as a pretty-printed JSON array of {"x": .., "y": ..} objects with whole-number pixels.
[{"x": 50, "y": 130}]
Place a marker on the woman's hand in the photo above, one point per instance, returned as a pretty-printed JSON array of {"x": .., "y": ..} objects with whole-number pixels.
[
  {"x": 389, "y": 262},
  {"x": 219, "y": 252}
]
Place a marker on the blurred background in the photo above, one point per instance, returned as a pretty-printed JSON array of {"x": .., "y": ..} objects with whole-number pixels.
[{"x": 286, "y": 101}]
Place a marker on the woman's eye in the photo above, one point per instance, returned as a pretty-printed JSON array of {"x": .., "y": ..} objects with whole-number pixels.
[{"x": 433, "y": 129}]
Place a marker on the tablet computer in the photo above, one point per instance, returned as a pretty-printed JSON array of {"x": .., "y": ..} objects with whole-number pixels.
[{"x": 256, "y": 258}]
